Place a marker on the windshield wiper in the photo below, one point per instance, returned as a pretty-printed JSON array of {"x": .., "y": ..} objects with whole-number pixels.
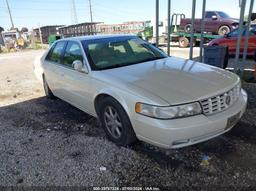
[
  {"x": 111, "y": 67},
  {"x": 152, "y": 59},
  {"x": 131, "y": 63}
]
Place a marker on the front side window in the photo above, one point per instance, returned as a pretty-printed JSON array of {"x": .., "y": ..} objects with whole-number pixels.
[
  {"x": 56, "y": 52},
  {"x": 72, "y": 53},
  {"x": 235, "y": 32},
  {"x": 120, "y": 51}
]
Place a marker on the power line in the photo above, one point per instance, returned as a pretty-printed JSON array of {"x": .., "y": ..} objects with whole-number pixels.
[{"x": 44, "y": 9}]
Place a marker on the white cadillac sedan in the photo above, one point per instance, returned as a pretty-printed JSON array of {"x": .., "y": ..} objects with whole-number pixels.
[{"x": 138, "y": 92}]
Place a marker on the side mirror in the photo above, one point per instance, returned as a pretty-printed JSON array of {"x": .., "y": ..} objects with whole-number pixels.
[
  {"x": 78, "y": 66},
  {"x": 214, "y": 17}
]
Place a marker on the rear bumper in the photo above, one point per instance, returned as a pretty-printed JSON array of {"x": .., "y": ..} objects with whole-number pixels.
[{"x": 183, "y": 132}]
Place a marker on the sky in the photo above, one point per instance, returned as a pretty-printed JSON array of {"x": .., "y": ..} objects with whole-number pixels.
[{"x": 32, "y": 13}]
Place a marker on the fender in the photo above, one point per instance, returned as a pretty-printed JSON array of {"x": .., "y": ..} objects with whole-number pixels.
[{"x": 114, "y": 93}]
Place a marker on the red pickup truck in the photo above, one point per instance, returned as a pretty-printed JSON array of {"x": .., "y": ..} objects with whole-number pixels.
[{"x": 216, "y": 22}]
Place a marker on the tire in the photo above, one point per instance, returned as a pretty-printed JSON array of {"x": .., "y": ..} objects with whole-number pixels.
[
  {"x": 47, "y": 90},
  {"x": 254, "y": 56},
  {"x": 183, "y": 42},
  {"x": 116, "y": 122},
  {"x": 187, "y": 28},
  {"x": 223, "y": 30}
]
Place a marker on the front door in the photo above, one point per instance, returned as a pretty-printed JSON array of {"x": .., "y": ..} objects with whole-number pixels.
[
  {"x": 76, "y": 84},
  {"x": 210, "y": 22},
  {"x": 231, "y": 41}
]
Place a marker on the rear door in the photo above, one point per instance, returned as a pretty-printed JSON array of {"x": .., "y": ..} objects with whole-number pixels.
[{"x": 51, "y": 70}]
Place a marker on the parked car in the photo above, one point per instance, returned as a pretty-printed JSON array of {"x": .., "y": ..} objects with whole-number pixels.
[
  {"x": 216, "y": 22},
  {"x": 230, "y": 40},
  {"x": 138, "y": 92}
]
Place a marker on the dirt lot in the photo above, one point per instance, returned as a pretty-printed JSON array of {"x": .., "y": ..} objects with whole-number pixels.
[{"x": 50, "y": 143}]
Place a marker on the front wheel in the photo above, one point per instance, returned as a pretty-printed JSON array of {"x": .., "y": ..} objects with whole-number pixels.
[{"x": 116, "y": 122}]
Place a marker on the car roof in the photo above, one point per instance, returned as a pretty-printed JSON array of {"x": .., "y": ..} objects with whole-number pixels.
[{"x": 95, "y": 37}]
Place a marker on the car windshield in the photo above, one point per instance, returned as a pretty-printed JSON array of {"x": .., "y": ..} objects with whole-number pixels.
[
  {"x": 235, "y": 32},
  {"x": 116, "y": 52},
  {"x": 223, "y": 15}
]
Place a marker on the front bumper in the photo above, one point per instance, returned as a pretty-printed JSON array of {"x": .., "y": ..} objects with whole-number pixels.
[{"x": 183, "y": 132}]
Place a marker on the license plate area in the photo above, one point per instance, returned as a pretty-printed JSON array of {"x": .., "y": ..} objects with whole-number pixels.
[{"x": 232, "y": 121}]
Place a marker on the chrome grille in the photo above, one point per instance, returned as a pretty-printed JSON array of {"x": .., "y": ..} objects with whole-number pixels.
[{"x": 221, "y": 102}]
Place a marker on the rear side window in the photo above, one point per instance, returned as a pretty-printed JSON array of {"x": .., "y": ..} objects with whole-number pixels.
[
  {"x": 55, "y": 53},
  {"x": 209, "y": 15},
  {"x": 73, "y": 52}
]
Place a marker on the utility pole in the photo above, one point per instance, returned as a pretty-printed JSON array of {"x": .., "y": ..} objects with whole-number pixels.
[
  {"x": 90, "y": 4},
  {"x": 10, "y": 14},
  {"x": 73, "y": 12}
]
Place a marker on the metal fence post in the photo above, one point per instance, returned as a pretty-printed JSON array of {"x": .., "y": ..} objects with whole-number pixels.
[
  {"x": 157, "y": 23},
  {"x": 240, "y": 31},
  {"x": 169, "y": 28},
  {"x": 202, "y": 31},
  {"x": 192, "y": 30},
  {"x": 241, "y": 66}
]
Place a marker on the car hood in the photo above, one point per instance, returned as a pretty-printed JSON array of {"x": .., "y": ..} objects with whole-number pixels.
[
  {"x": 235, "y": 20},
  {"x": 175, "y": 80},
  {"x": 230, "y": 20}
]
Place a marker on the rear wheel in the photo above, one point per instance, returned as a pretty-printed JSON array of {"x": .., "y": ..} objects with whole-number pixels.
[
  {"x": 116, "y": 122},
  {"x": 47, "y": 90},
  {"x": 223, "y": 30}
]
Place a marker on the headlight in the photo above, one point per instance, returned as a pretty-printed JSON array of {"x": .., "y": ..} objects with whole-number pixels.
[{"x": 171, "y": 112}]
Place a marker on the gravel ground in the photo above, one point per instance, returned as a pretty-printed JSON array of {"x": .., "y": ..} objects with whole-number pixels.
[{"x": 50, "y": 143}]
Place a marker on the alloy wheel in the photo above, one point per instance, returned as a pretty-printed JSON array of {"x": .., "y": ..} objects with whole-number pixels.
[{"x": 113, "y": 122}]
